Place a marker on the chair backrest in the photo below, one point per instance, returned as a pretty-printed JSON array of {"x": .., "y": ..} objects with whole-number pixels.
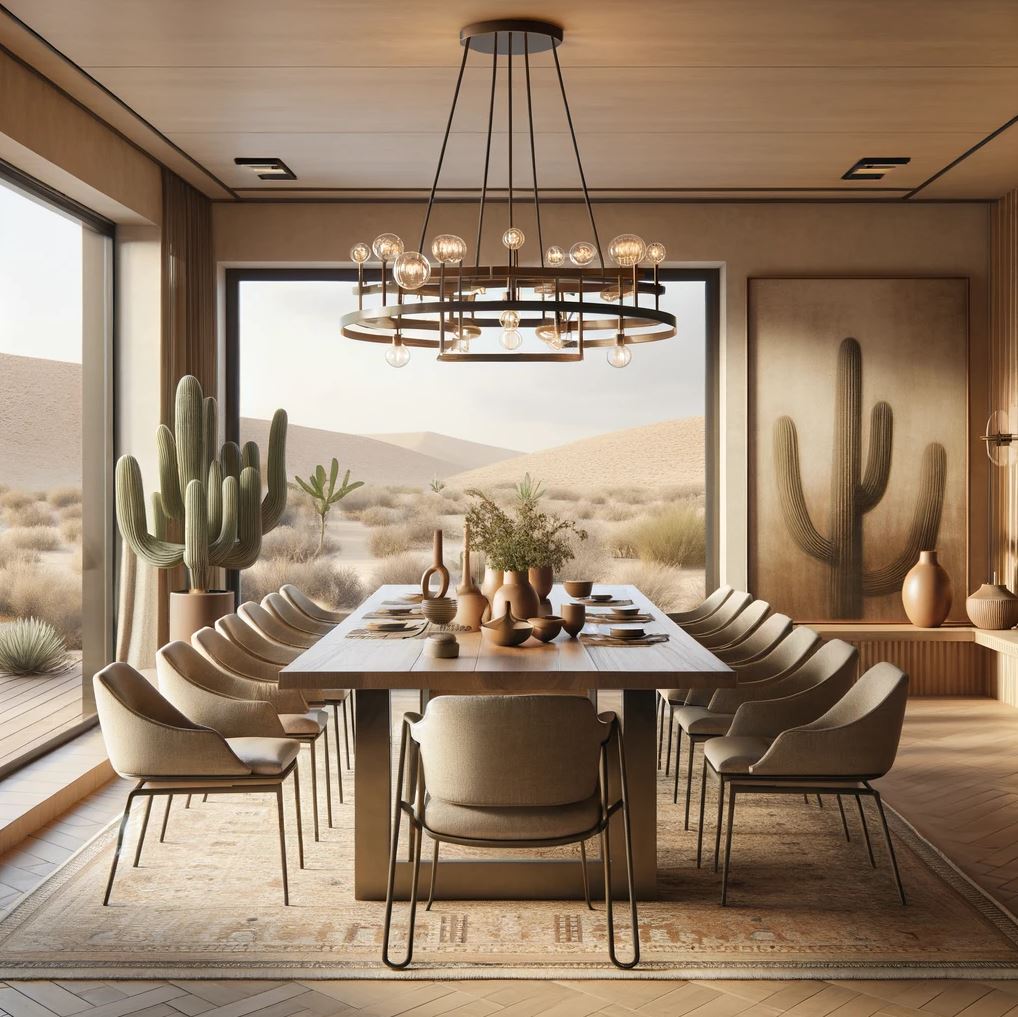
[
  {"x": 835, "y": 659},
  {"x": 147, "y": 736},
  {"x": 230, "y": 656},
  {"x": 233, "y": 627},
  {"x": 303, "y": 602},
  {"x": 511, "y": 751},
  {"x": 745, "y": 622},
  {"x": 270, "y": 626},
  {"x": 735, "y": 603},
  {"x": 856, "y": 738},
  {"x": 760, "y": 641},
  {"x": 278, "y": 605},
  {"x": 706, "y": 607},
  {"x": 795, "y": 648}
]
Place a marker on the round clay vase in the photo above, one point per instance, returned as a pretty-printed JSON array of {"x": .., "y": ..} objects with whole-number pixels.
[
  {"x": 191, "y": 611},
  {"x": 517, "y": 593},
  {"x": 926, "y": 593},
  {"x": 992, "y": 606},
  {"x": 542, "y": 578}
]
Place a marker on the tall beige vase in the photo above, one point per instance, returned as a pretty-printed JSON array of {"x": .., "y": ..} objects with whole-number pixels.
[
  {"x": 926, "y": 593},
  {"x": 470, "y": 602},
  {"x": 493, "y": 579},
  {"x": 518, "y": 594}
]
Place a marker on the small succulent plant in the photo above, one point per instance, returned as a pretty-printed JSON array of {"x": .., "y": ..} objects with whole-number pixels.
[
  {"x": 324, "y": 493},
  {"x": 31, "y": 646}
]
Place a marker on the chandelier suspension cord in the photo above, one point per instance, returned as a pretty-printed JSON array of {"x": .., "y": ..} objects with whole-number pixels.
[
  {"x": 509, "y": 93},
  {"x": 445, "y": 141},
  {"x": 487, "y": 152},
  {"x": 533, "y": 148},
  {"x": 576, "y": 149}
]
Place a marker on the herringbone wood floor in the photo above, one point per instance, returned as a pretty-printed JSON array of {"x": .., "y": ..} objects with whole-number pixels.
[{"x": 955, "y": 780}]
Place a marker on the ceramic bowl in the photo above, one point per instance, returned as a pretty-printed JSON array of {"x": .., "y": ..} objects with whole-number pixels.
[
  {"x": 546, "y": 627},
  {"x": 627, "y": 632},
  {"x": 576, "y": 588},
  {"x": 439, "y": 610},
  {"x": 600, "y": 598},
  {"x": 513, "y": 633},
  {"x": 379, "y": 625},
  {"x": 626, "y": 610}
]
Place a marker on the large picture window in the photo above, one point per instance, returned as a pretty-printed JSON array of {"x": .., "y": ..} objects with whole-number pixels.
[{"x": 625, "y": 454}]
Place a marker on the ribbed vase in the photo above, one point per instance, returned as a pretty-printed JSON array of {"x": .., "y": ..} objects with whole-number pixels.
[{"x": 993, "y": 606}]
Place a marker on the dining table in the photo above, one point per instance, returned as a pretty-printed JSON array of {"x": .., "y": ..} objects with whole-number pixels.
[{"x": 376, "y": 665}]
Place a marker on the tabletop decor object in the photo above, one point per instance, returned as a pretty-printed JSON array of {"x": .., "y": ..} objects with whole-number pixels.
[
  {"x": 442, "y": 646},
  {"x": 606, "y": 639},
  {"x": 574, "y": 617},
  {"x": 471, "y": 603},
  {"x": 546, "y": 626},
  {"x": 507, "y": 630},
  {"x": 439, "y": 610},
  {"x": 578, "y": 588},
  {"x": 926, "y": 593},
  {"x": 437, "y": 568},
  {"x": 992, "y": 606}
]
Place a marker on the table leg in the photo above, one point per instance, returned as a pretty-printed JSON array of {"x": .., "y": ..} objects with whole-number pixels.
[
  {"x": 373, "y": 799},
  {"x": 638, "y": 729}
]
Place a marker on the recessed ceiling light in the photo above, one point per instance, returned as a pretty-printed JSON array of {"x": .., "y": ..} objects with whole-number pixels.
[
  {"x": 270, "y": 168},
  {"x": 875, "y": 167}
]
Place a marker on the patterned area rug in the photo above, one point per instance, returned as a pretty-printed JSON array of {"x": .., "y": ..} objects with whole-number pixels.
[{"x": 802, "y": 903}]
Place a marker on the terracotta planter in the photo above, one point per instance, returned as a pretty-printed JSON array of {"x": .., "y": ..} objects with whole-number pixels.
[
  {"x": 517, "y": 593},
  {"x": 542, "y": 578},
  {"x": 993, "y": 606},
  {"x": 926, "y": 592},
  {"x": 190, "y": 611}
]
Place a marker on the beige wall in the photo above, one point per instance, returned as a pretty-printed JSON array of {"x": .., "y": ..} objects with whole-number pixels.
[{"x": 745, "y": 239}]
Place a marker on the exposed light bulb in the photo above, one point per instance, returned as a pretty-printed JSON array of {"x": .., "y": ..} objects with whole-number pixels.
[
  {"x": 582, "y": 253},
  {"x": 627, "y": 250},
  {"x": 387, "y": 247},
  {"x": 462, "y": 345},
  {"x": 448, "y": 249},
  {"x": 656, "y": 252},
  {"x": 514, "y": 238},
  {"x": 360, "y": 253},
  {"x": 511, "y": 340},
  {"x": 620, "y": 354},
  {"x": 554, "y": 256},
  {"x": 411, "y": 270},
  {"x": 397, "y": 355},
  {"x": 509, "y": 319}
]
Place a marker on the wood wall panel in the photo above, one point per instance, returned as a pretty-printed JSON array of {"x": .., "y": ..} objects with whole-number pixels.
[
  {"x": 935, "y": 667},
  {"x": 1002, "y": 677}
]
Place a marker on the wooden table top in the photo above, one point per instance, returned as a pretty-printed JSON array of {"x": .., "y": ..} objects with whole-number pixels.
[{"x": 563, "y": 665}]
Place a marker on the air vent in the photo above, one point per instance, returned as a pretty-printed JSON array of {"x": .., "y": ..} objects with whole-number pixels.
[
  {"x": 875, "y": 167},
  {"x": 270, "y": 168}
]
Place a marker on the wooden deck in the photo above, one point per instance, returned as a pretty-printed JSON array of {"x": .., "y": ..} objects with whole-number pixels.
[{"x": 35, "y": 709}]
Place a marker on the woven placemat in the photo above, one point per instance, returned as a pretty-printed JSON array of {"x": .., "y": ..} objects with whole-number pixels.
[
  {"x": 596, "y": 639},
  {"x": 587, "y": 602},
  {"x": 609, "y": 619},
  {"x": 421, "y": 632}
]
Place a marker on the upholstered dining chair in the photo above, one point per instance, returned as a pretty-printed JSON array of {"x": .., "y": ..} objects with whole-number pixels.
[
  {"x": 277, "y": 604},
  {"x": 148, "y": 739},
  {"x": 758, "y": 643},
  {"x": 734, "y": 603},
  {"x": 203, "y": 691},
  {"x": 231, "y": 656},
  {"x": 705, "y": 608},
  {"x": 840, "y": 752},
  {"x": 823, "y": 677},
  {"x": 744, "y": 624},
  {"x": 668, "y": 701},
  {"x": 303, "y": 602},
  {"x": 510, "y": 772},
  {"x": 267, "y": 624}
]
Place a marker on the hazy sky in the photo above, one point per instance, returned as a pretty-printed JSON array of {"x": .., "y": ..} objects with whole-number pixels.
[
  {"x": 40, "y": 280},
  {"x": 292, "y": 355}
]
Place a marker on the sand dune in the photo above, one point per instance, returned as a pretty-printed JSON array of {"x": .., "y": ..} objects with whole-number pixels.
[
  {"x": 467, "y": 455},
  {"x": 655, "y": 455}
]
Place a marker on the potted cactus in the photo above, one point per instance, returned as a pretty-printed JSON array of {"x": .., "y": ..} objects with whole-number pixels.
[{"x": 216, "y": 497}]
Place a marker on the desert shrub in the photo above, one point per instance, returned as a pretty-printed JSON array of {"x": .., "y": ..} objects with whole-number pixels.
[
  {"x": 71, "y": 512},
  {"x": 322, "y": 581},
  {"x": 32, "y": 538},
  {"x": 631, "y": 495},
  {"x": 367, "y": 497},
  {"x": 590, "y": 561},
  {"x": 673, "y": 536},
  {"x": 402, "y": 568},
  {"x": 11, "y": 555},
  {"x": 70, "y": 530},
  {"x": 563, "y": 494},
  {"x": 679, "y": 492},
  {"x": 379, "y": 516},
  {"x": 30, "y": 514},
  {"x": 584, "y": 511},
  {"x": 31, "y": 646},
  {"x": 659, "y": 583},
  {"x": 616, "y": 513},
  {"x": 61, "y": 497},
  {"x": 15, "y": 499},
  {"x": 30, "y": 590},
  {"x": 387, "y": 541},
  {"x": 598, "y": 499},
  {"x": 294, "y": 544}
]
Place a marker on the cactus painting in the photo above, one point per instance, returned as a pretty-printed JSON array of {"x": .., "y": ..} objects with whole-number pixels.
[
  {"x": 216, "y": 494},
  {"x": 855, "y": 490}
]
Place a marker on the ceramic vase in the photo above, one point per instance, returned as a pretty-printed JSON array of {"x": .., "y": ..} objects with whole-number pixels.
[
  {"x": 992, "y": 606},
  {"x": 437, "y": 568},
  {"x": 926, "y": 593},
  {"x": 517, "y": 593},
  {"x": 542, "y": 578},
  {"x": 493, "y": 579},
  {"x": 470, "y": 602}
]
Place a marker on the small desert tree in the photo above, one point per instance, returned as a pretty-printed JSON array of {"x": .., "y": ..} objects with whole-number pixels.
[{"x": 324, "y": 493}]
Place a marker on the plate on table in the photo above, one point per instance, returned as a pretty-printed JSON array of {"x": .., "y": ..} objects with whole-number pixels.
[
  {"x": 601, "y": 598},
  {"x": 626, "y": 611},
  {"x": 396, "y": 609},
  {"x": 396, "y": 625},
  {"x": 627, "y": 632}
]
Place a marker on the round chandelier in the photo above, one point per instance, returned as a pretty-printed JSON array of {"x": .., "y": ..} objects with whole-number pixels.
[{"x": 573, "y": 299}]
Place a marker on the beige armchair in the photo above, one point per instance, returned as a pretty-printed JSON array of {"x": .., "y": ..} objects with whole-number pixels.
[
  {"x": 734, "y": 603},
  {"x": 277, "y": 604},
  {"x": 706, "y": 608},
  {"x": 510, "y": 772},
  {"x": 758, "y": 643},
  {"x": 230, "y": 656},
  {"x": 268, "y": 625},
  {"x": 804, "y": 695},
  {"x": 209, "y": 695},
  {"x": 851, "y": 744},
  {"x": 148, "y": 739},
  {"x": 303, "y": 602},
  {"x": 738, "y": 629}
]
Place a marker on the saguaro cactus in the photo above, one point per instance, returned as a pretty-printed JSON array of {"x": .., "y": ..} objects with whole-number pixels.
[
  {"x": 218, "y": 498},
  {"x": 854, "y": 493}
]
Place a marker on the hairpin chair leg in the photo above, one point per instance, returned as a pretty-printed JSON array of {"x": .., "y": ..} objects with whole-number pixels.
[
  {"x": 728, "y": 845},
  {"x": 282, "y": 843},
  {"x": 328, "y": 775},
  {"x": 166, "y": 818},
  {"x": 314, "y": 788},
  {"x": 411, "y": 777},
  {"x": 660, "y": 727},
  {"x": 678, "y": 746},
  {"x": 890, "y": 845},
  {"x": 434, "y": 876},
  {"x": 120, "y": 841},
  {"x": 721, "y": 816},
  {"x": 703, "y": 799},
  {"x": 689, "y": 776},
  {"x": 583, "y": 867},
  {"x": 865, "y": 830},
  {"x": 346, "y": 733},
  {"x": 144, "y": 828},
  {"x": 844, "y": 819},
  {"x": 296, "y": 809}
]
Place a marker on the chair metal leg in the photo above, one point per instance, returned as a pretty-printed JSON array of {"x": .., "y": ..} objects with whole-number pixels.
[
  {"x": 166, "y": 818},
  {"x": 865, "y": 830},
  {"x": 328, "y": 776},
  {"x": 844, "y": 820},
  {"x": 668, "y": 751},
  {"x": 660, "y": 728},
  {"x": 721, "y": 815},
  {"x": 820, "y": 801},
  {"x": 346, "y": 734},
  {"x": 586, "y": 875},
  {"x": 728, "y": 846},
  {"x": 204, "y": 799},
  {"x": 187, "y": 803},
  {"x": 120, "y": 843},
  {"x": 606, "y": 849},
  {"x": 282, "y": 843},
  {"x": 703, "y": 799},
  {"x": 689, "y": 776},
  {"x": 144, "y": 827},
  {"x": 314, "y": 788},
  {"x": 434, "y": 876},
  {"x": 339, "y": 771},
  {"x": 296, "y": 809},
  {"x": 890, "y": 846}
]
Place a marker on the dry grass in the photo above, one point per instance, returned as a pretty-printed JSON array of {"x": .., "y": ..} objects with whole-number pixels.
[
  {"x": 70, "y": 512},
  {"x": 295, "y": 544},
  {"x": 661, "y": 584},
  {"x": 31, "y": 590},
  {"x": 61, "y": 497},
  {"x": 388, "y": 541},
  {"x": 379, "y": 516},
  {"x": 673, "y": 536},
  {"x": 367, "y": 497},
  {"x": 29, "y": 514},
  {"x": 403, "y": 568},
  {"x": 10, "y": 555},
  {"x": 15, "y": 500},
  {"x": 590, "y": 561},
  {"x": 70, "y": 530},
  {"x": 334, "y": 587},
  {"x": 32, "y": 538}
]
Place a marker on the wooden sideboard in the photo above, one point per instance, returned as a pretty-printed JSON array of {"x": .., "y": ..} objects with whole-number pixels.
[{"x": 953, "y": 660}]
